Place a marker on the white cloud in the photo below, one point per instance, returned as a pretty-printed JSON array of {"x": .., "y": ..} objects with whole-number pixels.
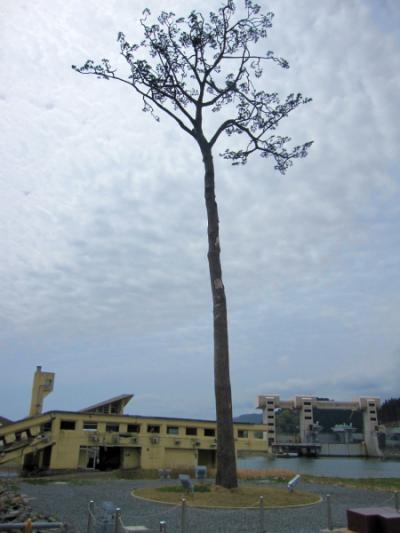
[{"x": 103, "y": 232}]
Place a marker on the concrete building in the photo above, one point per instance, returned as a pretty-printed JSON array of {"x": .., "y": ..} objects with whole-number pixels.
[
  {"x": 103, "y": 437},
  {"x": 308, "y": 441}
]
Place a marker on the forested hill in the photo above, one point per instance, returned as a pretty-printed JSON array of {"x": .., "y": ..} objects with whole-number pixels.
[
  {"x": 287, "y": 421},
  {"x": 249, "y": 418},
  {"x": 390, "y": 411}
]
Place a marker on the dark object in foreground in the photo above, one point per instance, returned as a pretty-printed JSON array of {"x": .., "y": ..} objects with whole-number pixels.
[{"x": 373, "y": 520}]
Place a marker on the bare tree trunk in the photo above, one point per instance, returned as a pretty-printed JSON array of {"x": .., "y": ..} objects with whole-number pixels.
[{"x": 226, "y": 458}]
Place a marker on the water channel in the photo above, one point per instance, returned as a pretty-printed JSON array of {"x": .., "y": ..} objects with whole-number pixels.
[{"x": 356, "y": 467}]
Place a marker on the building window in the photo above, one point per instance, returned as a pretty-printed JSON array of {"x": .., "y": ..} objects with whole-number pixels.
[
  {"x": 259, "y": 434},
  {"x": 172, "y": 430},
  {"x": 112, "y": 428},
  {"x": 243, "y": 434},
  {"x": 209, "y": 432},
  {"x": 133, "y": 428},
  {"x": 373, "y": 418},
  {"x": 46, "y": 427},
  {"x": 191, "y": 431},
  {"x": 308, "y": 417},
  {"x": 67, "y": 424},
  {"x": 90, "y": 426},
  {"x": 153, "y": 429}
]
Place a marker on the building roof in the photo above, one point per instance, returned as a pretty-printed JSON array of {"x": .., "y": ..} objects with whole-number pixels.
[
  {"x": 121, "y": 399},
  {"x": 133, "y": 417},
  {"x": 5, "y": 421}
]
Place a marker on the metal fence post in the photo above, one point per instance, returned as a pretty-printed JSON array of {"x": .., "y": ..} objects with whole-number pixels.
[
  {"x": 396, "y": 501},
  {"x": 329, "y": 512},
  {"x": 262, "y": 523},
  {"x": 163, "y": 526},
  {"x": 90, "y": 516},
  {"x": 183, "y": 517},
  {"x": 117, "y": 528}
]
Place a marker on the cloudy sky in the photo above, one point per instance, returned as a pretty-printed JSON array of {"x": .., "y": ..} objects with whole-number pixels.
[{"x": 103, "y": 271}]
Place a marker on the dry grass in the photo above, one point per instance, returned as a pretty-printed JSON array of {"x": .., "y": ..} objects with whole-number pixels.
[
  {"x": 249, "y": 474},
  {"x": 246, "y": 496},
  {"x": 391, "y": 484},
  {"x": 273, "y": 474}
]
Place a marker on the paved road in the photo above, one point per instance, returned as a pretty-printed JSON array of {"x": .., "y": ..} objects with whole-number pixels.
[{"x": 69, "y": 501}]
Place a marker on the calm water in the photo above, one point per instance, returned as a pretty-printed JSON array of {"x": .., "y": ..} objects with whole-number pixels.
[
  {"x": 322, "y": 466},
  {"x": 326, "y": 466}
]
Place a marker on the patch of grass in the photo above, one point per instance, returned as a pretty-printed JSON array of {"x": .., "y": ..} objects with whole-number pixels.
[
  {"x": 38, "y": 481},
  {"x": 278, "y": 474},
  {"x": 244, "y": 496},
  {"x": 140, "y": 473},
  {"x": 178, "y": 488},
  {"x": 73, "y": 478},
  {"x": 137, "y": 473},
  {"x": 390, "y": 484}
]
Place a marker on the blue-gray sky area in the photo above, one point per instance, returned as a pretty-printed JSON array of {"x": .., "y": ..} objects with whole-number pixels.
[{"x": 103, "y": 271}]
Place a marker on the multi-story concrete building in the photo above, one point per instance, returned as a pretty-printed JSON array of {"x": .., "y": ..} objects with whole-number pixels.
[
  {"x": 102, "y": 437},
  {"x": 308, "y": 441}
]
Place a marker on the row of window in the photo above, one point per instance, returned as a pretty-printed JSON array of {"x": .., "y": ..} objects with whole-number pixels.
[
  {"x": 372, "y": 411},
  {"x": 135, "y": 428},
  {"x": 154, "y": 429}
]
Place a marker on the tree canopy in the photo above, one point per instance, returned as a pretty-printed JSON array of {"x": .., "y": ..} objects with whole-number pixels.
[{"x": 186, "y": 66}]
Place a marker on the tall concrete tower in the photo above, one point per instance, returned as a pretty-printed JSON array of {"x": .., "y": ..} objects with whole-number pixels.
[{"x": 43, "y": 383}]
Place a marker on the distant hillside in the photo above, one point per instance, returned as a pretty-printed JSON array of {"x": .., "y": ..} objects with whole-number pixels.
[
  {"x": 249, "y": 418},
  {"x": 389, "y": 413}
]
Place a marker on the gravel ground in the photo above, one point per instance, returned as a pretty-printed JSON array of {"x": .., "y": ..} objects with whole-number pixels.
[{"x": 69, "y": 502}]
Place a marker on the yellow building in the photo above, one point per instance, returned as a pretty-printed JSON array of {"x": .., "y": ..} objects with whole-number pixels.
[{"x": 102, "y": 437}]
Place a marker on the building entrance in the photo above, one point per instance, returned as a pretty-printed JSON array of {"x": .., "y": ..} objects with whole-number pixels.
[
  {"x": 207, "y": 458},
  {"x": 109, "y": 458}
]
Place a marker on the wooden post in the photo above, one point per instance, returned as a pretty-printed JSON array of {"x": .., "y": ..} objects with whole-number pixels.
[{"x": 28, "y": 526}]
